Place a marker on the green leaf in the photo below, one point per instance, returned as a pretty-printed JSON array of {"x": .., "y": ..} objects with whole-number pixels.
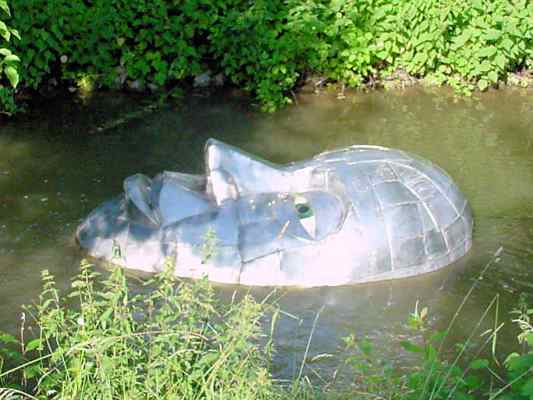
[
  {"x": 510, "y": 358},
  {"x": 487, "y": 51},
  {"x": 105, "y": 317},
  {"x": 460, "y": 40},
  {"x": 5, "y": 338},
  {"x": 527, "y": 388},
  {"x": 485, "y": 66},
  {"x": 32, "y": 371},
  {"x": 4, "y": 32},
  {"x": 15, "y": 33},
  {"x": 11, "y": 58},
  {"x": 5, "y": 52},
  {"x": 500, "y": 61},
  {"x": 4, "y": 7},
  {"x": 34, "y": 344},
  {"x": 493, "y": 34},
  {"x": 483, "y": 84},
  {"x": 493, "y": 76},
  {"x": 472, "y": 382},
  {"x": 411, "y": 347},
  {"x": 529, "y": 339},
  {"x": 518, "y": 363},
  {"x": 420, "y": 58},
  {"x": 438, "y": 336},
  {"x": 12, "y": 75},
  {"x": 507, "y": 44},
  {"x": 479, "y": 364}
]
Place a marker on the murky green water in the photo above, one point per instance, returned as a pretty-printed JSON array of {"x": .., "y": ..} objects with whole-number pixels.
[{"x": 55, "y": 166}]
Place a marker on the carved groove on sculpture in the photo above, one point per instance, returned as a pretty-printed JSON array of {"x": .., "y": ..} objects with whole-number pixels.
[{"x": 360, "y": 214}]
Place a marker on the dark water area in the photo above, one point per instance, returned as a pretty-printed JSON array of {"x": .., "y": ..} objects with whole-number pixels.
[{"x": 64, "y": 159}]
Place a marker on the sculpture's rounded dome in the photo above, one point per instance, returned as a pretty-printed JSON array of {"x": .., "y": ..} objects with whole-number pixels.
[{"x": 406, "y": 205}]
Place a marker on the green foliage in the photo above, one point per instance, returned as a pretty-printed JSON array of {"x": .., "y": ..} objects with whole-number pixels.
[
  {"x": 172, "y": 341},
  {"x": 338, "y": 38},
  {"x": 255, "y": 48},
  {"x": 267, "y": 46},
  {"x": 7, "y": 101},
  {"x": 9, "y": 75},
  {"x": 520, "y": 365},
  {"x": 209, "y": 246},
  {"x": 466, "y": 44},
  {"x": 434, "y": 376},
  {"x": 150, "y": 42}
]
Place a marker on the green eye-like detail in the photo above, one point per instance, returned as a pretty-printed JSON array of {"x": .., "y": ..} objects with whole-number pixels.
[{"x": 303, "y": 210}]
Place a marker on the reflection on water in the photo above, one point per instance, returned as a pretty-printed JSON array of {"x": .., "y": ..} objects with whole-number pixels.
[{"x": 53, "y": 172}]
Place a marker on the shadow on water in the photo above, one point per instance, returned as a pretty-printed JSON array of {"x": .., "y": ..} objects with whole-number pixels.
[{"x": 56, "y": 166}]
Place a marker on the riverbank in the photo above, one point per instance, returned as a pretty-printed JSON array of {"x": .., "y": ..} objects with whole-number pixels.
[{"x": 268, "y": 49}]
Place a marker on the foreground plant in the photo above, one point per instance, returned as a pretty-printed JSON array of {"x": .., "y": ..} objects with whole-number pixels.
[
  {"x": 171, "y": 341},
  {"x": 438, "y": 376}
]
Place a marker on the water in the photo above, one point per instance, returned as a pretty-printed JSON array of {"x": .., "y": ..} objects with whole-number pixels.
[{"x": 61, "y": 161}]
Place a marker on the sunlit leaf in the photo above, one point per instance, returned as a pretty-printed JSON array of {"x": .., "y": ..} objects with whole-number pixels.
[
  {"x": 483, "y": 84},
  {"x": 4, "y": 7},
  {"x": 34, "y": 344},
  {"x": 15, "y": 33},
  {"x": 4, "y": 31},
  {"x": 487, "y": 51},
  {"x": 12, "y": 75},
  {"x": 11, "y": 58},
  {"x": 493, "y": 76},
  {"x": 529, "y": 339},
  {"x": 500, "y": 61},
  {"x": 5, "y": 338}
]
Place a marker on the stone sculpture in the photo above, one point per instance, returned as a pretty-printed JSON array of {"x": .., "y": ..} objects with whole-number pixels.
[{"x": 360, "y": 214}]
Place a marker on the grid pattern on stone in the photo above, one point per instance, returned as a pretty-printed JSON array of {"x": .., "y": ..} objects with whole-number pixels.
[{"x": 408, "y": 202}]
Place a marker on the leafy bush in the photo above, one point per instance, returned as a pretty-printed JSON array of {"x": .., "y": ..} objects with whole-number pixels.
[
  {"x": 150, "y": 42},
  {"x": 267, "y": 47},
  {"x": 520, "y": 365},
  {"x": 255, "y": 48},
  {"x": 462, "y": 43},
  {"x": 172, "y": 341},
  {"x": 434, "y": 376},
  {"x": 8, "y": 61}
]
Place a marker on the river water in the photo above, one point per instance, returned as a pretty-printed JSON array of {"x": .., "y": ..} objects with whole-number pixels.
[{"x": 66, "y": 157}]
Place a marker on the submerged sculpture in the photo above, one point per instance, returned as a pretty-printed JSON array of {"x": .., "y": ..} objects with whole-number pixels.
[{"x": 359, "y": 214}]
